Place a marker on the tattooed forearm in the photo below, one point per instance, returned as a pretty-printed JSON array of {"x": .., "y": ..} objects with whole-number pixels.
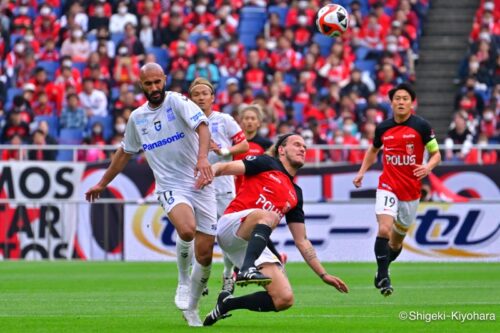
[{"x": 309, "y": 254}]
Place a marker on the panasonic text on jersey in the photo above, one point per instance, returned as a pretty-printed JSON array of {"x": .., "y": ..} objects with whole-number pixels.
[{"x": 163, "y": 142}]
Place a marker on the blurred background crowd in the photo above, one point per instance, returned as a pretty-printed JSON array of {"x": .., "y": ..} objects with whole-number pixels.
[{"x": 69, "y": 70}]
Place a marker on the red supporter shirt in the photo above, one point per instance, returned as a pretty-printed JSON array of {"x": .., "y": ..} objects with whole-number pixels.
[
  {"x": 270, "y": 187},
  {"x": 404, "y": 146}
]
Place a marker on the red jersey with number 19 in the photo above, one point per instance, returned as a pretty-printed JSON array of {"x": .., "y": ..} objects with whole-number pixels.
[{"x": 404, "y": 145}]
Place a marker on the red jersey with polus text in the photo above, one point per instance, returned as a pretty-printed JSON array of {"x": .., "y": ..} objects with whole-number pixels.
[
  {"x": 268, "y": 186},
  {"x": 404, "y": 145}
]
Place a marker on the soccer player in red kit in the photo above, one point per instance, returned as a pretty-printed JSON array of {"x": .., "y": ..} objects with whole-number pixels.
[
  {"x": 403, "y": 139},
  {"x": 251, "y": 118},
  {"x": 267, "y": 195}
]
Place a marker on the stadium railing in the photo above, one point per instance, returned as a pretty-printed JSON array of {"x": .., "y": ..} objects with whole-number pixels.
[{"x": 317, "y": 159}]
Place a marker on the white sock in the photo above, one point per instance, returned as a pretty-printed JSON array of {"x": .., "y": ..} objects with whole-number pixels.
[
  {"x": 184, "y": 258},
  {"x": 199, "y": 279},
  {"x": 228, "y": 267}
]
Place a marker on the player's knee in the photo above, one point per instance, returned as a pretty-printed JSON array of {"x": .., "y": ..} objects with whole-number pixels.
[
  {"x": 204, "y": 257},
  {"x": 283, "y": 301},
  {"x": 384, "y": 231},
  {"x": 271, "y": 219},
  {"x": 186, "y": 234}
]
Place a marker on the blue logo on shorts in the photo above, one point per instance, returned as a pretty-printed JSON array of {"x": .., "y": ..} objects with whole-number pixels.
[{"x": 170, "y": 200}]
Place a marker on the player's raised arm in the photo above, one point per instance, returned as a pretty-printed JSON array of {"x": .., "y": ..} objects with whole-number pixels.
[
  {"x": 368, "y": 160},
  {"x": 307, "y": 251},
  {"x": 120, "y": 159}
]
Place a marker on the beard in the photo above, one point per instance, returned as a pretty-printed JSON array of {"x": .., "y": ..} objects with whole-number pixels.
[
  {"x": 297, "y": 164},
  {"x": 155, "y": 97}
]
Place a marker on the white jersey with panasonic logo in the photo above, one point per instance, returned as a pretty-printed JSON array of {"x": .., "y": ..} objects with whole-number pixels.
[
  {"x": 168, "y": 138},
  {"x": 223, "y": 129}
]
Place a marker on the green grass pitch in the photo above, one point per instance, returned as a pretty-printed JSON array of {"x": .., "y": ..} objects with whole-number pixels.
[{"x": 138, "y": 297}]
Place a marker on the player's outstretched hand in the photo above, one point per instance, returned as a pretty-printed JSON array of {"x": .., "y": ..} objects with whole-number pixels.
[
  {"x": 335, "y": 282},
  {"x": 94, "y": 193},
  {"x": 204, "y": 170},
  {"x": 421, "y": 171},
  {"x": 358, "y": 180}
]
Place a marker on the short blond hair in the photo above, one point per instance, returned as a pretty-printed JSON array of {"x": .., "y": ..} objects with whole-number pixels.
[
  {"x": 253, "y": 107},
  {"x": 201, "y": 81}
]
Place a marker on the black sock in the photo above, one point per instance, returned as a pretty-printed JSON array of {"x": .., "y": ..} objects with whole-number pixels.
[
  {"x": 256, "y": 244},
  {"x": 382, "y": 255},
  {"x": 393, "y": 254},
  {"x": 260, "y": 301}
]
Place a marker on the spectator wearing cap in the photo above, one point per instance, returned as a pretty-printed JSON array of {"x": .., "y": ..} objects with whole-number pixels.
[
  {"x": 121, "y": 18},
  {"x": 93, "y": 101},
  {"x": 73, "y": 115},
  {"x": 29, "y": 92},
  {"x": 76, "y": 46},
  {"x": 402, "y": 41}
]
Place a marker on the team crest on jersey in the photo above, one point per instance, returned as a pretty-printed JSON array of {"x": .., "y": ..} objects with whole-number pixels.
[
  {"x": 410, "y": 148},
  {"x": 215, "y": 127},
  {"x": 170, "y": 114},
  {"x": 158, "y": 125}
]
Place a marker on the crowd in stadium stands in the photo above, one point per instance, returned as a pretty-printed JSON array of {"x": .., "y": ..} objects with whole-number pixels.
[
  {"x": 477, "y": 104},
  {"x": 70, "y": 68}
]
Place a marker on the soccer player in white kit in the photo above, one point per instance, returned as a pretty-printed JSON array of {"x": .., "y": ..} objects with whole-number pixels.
[
  {"x": 173, "y": 133},
  {"x": 227, "y": 140}
]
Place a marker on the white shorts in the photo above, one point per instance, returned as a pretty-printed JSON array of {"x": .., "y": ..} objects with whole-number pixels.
[
  {"x": 403, "y": 212},
  {"x": 203, "y": 204},
  {"x": 223, "y": 201},
  {"x": 235, "y": 247}
]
